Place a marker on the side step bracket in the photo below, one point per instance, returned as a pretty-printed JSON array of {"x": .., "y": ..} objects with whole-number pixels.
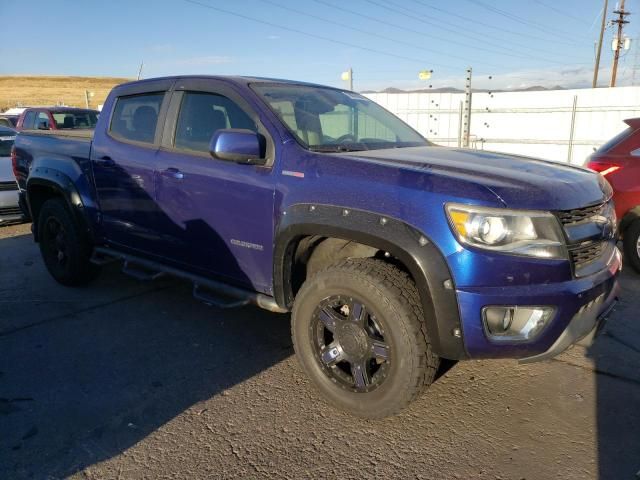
[
  {"x": 208, "y": 297},
  {"x": 205, "y": 289},
  {"x": 139, "y": 272}
]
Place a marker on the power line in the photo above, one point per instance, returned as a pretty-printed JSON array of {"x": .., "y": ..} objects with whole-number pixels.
[
  {"x": 458, "y": 33},
  {"x": 319, "y": 37},
  {"x": 413, "y": 45},
  {"x": 465, "y": 33},
  {"x": 561, "y": 12},
  {"x": 356, "y": 29},
  {"x": 501, "y": 29},
  {"x": 518, "y": 19}
]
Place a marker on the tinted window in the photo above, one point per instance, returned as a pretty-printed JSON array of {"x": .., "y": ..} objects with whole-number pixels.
[
  {"x": 42, "y": 121},
  {"x": 615, "y": 140},
  {"x": 201, "y": 114},
  {"x": 29, "y": 119},
  {"x": 6, "y": 142},
  {"x": 75, "y": 120},
  {"x": 136, "y": 117}
]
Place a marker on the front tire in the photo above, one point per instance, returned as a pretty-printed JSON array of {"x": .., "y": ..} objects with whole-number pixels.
[
  {"x": 359, "y": 334},
  {"x": 65, "y": 249},
  {"x": 632, "y": 244}
]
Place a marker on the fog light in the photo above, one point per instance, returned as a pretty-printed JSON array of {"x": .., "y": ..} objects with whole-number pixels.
[{"x": 515, "y": 323}]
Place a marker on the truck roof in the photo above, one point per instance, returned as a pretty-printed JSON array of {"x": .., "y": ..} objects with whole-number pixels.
[
  {"x": 61, "y": 109},
  {"x": 227, "y": 78}
]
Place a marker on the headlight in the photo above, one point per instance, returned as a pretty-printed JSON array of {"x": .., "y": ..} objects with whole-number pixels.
[{"x": 519, "y": 232}]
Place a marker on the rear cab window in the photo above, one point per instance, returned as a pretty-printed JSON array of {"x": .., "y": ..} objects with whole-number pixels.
[
  {"x": 135, "y": 117},
  {"x": 75, "y": 120}
]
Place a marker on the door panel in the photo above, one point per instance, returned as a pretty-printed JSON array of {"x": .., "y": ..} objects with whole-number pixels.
[
  {"x": 124, "y": 164},
  {"x": 219, "y": 213}
]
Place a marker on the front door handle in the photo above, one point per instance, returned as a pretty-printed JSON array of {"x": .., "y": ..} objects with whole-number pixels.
[
  {"x": 173, "y": 173},
  {"x": 105, "y": 161}
]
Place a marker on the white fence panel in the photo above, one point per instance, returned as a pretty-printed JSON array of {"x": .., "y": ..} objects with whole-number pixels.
[{"x": 538, "y": 124}]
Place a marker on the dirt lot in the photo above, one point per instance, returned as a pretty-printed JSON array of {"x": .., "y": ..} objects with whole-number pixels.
[
  {"x": 50, "y": 90},
  {"x": 137, "y": 380}
]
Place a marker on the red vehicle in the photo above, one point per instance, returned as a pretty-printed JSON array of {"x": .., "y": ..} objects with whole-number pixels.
[
  {"x": 619, "y": 161},
  {"x": 57, "y": 118}
]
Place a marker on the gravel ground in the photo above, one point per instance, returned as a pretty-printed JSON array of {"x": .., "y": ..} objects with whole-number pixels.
[{"x": 126, "y": 379}]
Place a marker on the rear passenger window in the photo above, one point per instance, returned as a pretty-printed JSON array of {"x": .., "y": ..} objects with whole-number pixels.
[
  {"x": 135, "y": 117},
  {"x": 42, "y": 121},
  {"x": 29, "y": 119},
  {"x": 201, "y": 114}
]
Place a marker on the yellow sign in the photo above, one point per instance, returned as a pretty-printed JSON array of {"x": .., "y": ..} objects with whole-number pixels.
[
  {"x": 424, "y": 75},
  {"x": 346, "y": 75}
]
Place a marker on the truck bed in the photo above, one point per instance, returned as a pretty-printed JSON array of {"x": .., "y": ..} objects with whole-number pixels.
[{"x": 70, "y": 147}]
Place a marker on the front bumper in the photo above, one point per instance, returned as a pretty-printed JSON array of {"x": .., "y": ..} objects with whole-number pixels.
[
  {"x": 584, "y": 326},
  {"x": 581, "y": 305}
]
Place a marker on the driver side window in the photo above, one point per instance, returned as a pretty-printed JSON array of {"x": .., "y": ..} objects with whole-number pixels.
[{"x": 202, "y": 114}]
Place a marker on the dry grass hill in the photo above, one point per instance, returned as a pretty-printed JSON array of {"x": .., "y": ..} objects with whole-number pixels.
[{"x": 50, "y": 90}]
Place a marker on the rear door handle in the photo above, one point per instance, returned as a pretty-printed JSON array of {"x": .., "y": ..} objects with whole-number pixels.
[{"x": 173, "y": 173}]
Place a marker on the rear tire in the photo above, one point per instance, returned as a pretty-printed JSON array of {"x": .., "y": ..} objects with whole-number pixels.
[
  {"x": 65, "y": 248},
  {"x": 632, "y": 244},
  {"x": 363, "y": 315}
]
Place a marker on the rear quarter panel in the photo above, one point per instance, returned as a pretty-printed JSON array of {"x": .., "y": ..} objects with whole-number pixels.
[{"x": 59, "y": 158}]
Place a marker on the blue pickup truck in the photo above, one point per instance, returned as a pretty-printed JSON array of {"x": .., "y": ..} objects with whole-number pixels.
[{"x": 391, "y": 253}]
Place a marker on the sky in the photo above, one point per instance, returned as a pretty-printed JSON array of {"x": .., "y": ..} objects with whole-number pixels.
[{"x": 508, "y": 43}]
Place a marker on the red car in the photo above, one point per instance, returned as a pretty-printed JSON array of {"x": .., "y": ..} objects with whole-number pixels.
[
  {"x": 619, "y": 161},
  {"x": 57, "y": 118}
]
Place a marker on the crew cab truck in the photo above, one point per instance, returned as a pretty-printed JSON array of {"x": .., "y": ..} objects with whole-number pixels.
[{"x": 391, "y": 253}]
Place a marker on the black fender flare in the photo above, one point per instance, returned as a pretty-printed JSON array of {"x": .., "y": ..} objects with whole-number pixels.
[
  {"x": 61, "y": 185},
  {"x": 422, "y": 258}
]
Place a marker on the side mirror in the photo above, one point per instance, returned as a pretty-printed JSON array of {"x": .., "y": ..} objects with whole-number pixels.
[
  {"x": 43, "y": 126},
  {"x": 238, "y": 145}
]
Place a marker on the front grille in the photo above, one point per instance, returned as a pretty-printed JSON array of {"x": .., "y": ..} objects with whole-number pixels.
[
  {"x": 10, "y": 211},
  {"x": 585, "y": 254},
  {"x": 8, "y": 186},
  {"x": 577, "y": 215}
]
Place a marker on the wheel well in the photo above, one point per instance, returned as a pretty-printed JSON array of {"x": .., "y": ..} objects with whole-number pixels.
[
  {"x": 38, "y": 194},
  {"x": 314, "y": 253},
  {"x": 628, "y": 219}
]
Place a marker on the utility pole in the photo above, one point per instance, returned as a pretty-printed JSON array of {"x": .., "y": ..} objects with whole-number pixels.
[
  {"x": 466, "y": 119},
  {"x": 604, "y": 22},
  {"x": 619, "y": 40},
  {"x": 140, "y": 69}
]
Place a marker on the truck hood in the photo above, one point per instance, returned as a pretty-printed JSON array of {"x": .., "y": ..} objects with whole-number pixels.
[{"x": 519, "y": 182}]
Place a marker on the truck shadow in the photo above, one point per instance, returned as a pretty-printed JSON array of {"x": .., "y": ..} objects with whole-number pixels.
[
  {"x": 81, "y": 386},
  {"x": 87, "y": 373},
  {"x": 615, "y": 356}
]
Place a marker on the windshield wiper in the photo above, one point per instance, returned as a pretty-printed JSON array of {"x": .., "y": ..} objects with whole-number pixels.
[{"x": 337, "y": 148}]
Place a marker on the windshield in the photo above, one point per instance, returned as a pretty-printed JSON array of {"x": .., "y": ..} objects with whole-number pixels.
[
  {"x": 329, "y": 120},
  {"x": 75, "y": 120}
]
